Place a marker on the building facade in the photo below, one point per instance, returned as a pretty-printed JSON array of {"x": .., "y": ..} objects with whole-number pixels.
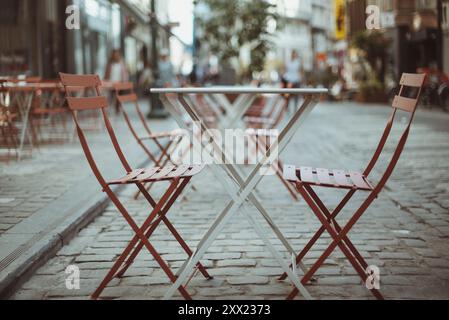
[
  {"x": 417, "y": 29},
  {"x": 36, "y": 41},
  {"x": 309, "y": 29},
  {"x": 297, "y": 33},
  {"x": 30, "y": 37},
  {"x": 445, "y": 34},
  {"x": 323, "y": 31}
]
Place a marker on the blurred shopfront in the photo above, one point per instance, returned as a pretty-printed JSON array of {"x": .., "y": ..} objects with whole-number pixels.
[
  {"x": 34, "y": 39},
  {"x": 31, "y": 41},
  {"x": 415, "y": 27}
]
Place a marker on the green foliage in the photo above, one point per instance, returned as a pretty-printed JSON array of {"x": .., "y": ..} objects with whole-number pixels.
[
  {"x": 374, "y": 46},
  {"x": 326, "y": 78},
  {"x": 372, "y": 90},
  {"x": 235, "y": 23}
]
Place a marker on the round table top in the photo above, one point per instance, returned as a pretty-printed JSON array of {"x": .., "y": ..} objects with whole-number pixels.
[
  {"x": 239, "y": 90},
  {"x": 17, "y": 86}
]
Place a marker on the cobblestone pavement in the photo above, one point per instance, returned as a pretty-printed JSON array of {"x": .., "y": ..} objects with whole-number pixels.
[{"x": 405, "y": 232}]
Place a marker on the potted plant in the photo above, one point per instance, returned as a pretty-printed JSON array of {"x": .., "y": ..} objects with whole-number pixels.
[{"x": 373, "y": 49}]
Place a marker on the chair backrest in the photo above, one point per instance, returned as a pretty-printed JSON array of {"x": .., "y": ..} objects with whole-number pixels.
[
  {"x": 407, "y": 104},
  {"x": 278, "y": 110},
  {"x": 412, "y": 81},
  {"x": 124, "y": 93},
  {"x": 80, "y": 83},
  {"x": 129, "y": 96}
]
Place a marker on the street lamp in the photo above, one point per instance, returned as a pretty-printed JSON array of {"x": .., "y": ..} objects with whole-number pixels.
[{"x": 157, "y": 109}]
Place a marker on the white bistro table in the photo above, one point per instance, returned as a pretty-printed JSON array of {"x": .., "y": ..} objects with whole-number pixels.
[
  {"x": 240, "y": 189},
  {"x": 22, "y": 98}
]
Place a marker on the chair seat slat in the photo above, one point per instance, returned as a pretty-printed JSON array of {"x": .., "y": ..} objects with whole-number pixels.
[
  {"x": 163, "y": 172},
  {"x": 133, "y": 174},
  {"x": 323, "y": 176},
  {"x": 147, "y": 174},
  {"x": 179, "y": 171},
  {"x": 359, "y": 181},
  {"x": 289, "y": 173},
  {"x": 340, "y": 177},
  {"x": 193, "y": 170},
  {"x": 306, "y": 175}
]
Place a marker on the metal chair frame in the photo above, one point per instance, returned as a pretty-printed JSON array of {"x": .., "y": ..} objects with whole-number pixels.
[{"x": 124, "y": 94}]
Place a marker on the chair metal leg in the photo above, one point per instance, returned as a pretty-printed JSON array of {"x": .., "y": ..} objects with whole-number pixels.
[
  {"x": 141, "y": 236},
  {"x": 320, "y": 231},
  {"x": 154, "y": 225},
  {"x": 338, "y": 240}
]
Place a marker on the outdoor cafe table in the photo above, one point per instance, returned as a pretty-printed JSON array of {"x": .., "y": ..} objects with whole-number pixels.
[
  {"x": 22, "y": 97},
  {"x": 240, "y": 189},
  {"x": 232, "y": 111}
]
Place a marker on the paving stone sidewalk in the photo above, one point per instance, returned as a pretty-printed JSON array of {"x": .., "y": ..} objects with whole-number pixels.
[
  {"x": 45, "y": 199},
  {"x": 31, "y": 184},
  {"x": 405, "y": 232}
]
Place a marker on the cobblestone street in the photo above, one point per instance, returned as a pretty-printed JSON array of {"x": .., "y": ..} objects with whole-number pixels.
[
  {"x": 31, "y": 184},
  {"x": 405, "y": 232}
]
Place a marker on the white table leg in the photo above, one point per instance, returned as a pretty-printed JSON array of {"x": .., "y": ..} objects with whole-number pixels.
[{"x": 24, "y": 109}]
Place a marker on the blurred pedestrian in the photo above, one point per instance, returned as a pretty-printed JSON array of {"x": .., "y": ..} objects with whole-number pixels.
[
  {"x": 116, "y": 71},
  {"x": 146, "y": 78},
  {"x": 292, "y": 76},
  {"x": 166, "y": 75}
]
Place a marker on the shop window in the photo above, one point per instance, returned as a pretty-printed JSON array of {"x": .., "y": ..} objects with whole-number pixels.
[
  {"x": 426, "y": 4},
  {"x": 445, "y": 22},
  {"x": 10, "y": 12}
]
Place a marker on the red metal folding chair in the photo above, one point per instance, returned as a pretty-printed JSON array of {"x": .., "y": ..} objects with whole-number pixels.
[
  {"x": 179, "y": 177},
  {"x": 91, "y": 119},
  {"x": 305, "y": 178},
  {"x": 125, "y": 94},
  {"x": 49, "y": 113},
  {"x": 268, "y": 114}
]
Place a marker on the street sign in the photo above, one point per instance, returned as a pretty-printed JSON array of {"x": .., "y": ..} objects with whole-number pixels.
[{"x": 340, "y": 19}]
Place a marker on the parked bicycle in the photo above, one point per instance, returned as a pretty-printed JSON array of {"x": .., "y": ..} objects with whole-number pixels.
[{"x": 436, "y": 88}]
